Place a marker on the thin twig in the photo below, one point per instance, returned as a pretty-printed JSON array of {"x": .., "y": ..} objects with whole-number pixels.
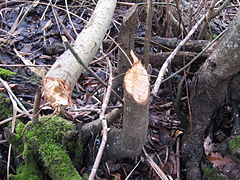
[
  {"x": 128, "y": 176},
  {"x": 3, "y": 141},
  {"x": 170, "y": 58},
  {"x": 38, "y": 71},
  {"x": 52, "y": 5},
  {"x": 22, "y": 65},
  {"x": 70, "y": 19},
  {"x": 59, "y": 22},
  {"x": 155, "y": 3},
  {"x": 104, "y": 124},
  {"x": 121, "y": 49},
  {"x": 8, "y": 162},
  {"x": 36, "y": 107},
  {"x": 11, "y": 118},
  {"x": 155, "y": 167},
  {"x": 196, "y": 57},
  {"x": 14, "y": 97},
  {"x": 87, "y": 68},
  {"x": 14, "y": 104},
  {"x": 207, "y": 18},
  {"x": 188, "y": 103},
  {"x": 148, "y": 32},
  {"x": 200, "y": 6},
  {"x": 219, "y": 10},
  {"x": 178, "y": 158}
]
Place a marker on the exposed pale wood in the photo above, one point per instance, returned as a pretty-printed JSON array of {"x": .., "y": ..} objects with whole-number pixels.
[
  {"x": 63, "y": 75},
  {"x": 136, "y": 83}
]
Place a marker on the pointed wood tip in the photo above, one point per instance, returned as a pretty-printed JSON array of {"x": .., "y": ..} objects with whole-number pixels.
[{"x": 136, "y": 82}]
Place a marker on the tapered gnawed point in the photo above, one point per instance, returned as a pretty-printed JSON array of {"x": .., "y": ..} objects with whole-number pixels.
[
  {"x": 56, "y": 92},
  {"x": 136, "y": 81}
]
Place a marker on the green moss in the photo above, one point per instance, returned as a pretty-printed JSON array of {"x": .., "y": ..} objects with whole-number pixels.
[
  {"x": 19, "y": 128},
  {"x": 6, "y": 73},
  {"x": 5, "y": 108},
  {"x": 35, "y": 78},
  {"x": 213, "y": 174},
  {"x": 28, "y": 170},
  {"x": 234, "y": 144},
  {"x": 50, "y": 139},
  {"x": 58, "y": 163},
  {"x": 16, "y": 141}
]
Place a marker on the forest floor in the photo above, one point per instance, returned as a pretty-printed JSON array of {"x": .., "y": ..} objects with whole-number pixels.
[{"x": 33, "y": 32}]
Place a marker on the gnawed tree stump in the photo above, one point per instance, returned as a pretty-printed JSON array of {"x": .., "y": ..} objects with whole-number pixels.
[{"x": 128, "y": 141}]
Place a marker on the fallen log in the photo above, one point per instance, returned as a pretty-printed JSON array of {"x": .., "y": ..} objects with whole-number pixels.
[
  {"x": 157, "y": 59},
  {"x": 171, "y": 43},
  {"x": 58, "y": 83}
]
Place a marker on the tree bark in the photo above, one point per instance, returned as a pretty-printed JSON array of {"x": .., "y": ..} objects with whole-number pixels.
[
  {"x": 126, "y": 41},
  {"x": 209, "y": 92},
  {"x": 128, "y": 141},
  {"x": 171, "y": 43},
  {"x": 59, "y": 82}
]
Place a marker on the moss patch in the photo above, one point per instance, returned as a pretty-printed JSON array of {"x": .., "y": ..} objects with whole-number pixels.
[
  {"x": 5, "y": 107},
  {"x": 6, "y": 73},
  {"x": 28, "y": 169},
  {"x": 50, "y": 139},
  {"x": 234, "y": 144},
  {"x": 213, "y": 174}
]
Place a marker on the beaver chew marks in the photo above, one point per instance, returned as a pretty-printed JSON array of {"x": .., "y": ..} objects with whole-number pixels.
[
  {"x": 56, "y": 92},
  {"x": 136, "y": 82}
]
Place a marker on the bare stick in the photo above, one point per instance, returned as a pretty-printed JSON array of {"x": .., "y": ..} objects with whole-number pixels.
[
  {"x": 155, "y": 167},
  {"x": 178, "y": 158},
  {"x": 14, "y": 104},
  {"x": 70, "y": 19},
  {"x": 3, "y": 141},
  {"x": 207, "y": 18},
  {"x": 170, "y": 58},
  {"x": 104, "y": 124},
  {"x": 22, "y": 65},
  {"x": 36, "y": 106},
  {"x": 13, "y": 96},
  {"x": 196, "y": 57},
  {"x": 11, "y": 118},
  {"x": 148, "y": 32},
  {"x": 128, "y": 176},
  {"x": 217, "y": 12},
  {"x": 95, "y": 126}
]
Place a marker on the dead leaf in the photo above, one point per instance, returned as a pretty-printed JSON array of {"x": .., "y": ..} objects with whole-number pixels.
[{"x": 217, "y": 160}]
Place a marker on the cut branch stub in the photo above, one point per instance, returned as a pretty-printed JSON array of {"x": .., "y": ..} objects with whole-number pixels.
[
  {"x": 129, "y": 141},
  {"x": 135, "y": 114}
]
